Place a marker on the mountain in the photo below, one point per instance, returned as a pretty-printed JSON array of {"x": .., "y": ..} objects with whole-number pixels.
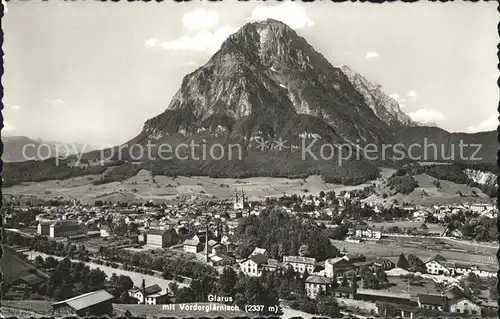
[
  {"x": 267, "y": 84},
  {"x": 22, "y": 148},
  {"x": 385, "y": 107},
  {"x": 435, "y": 144},
  {"x": 268, "y": 81}
]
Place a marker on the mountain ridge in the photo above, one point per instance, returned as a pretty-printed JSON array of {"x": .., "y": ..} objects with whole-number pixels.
[{"x": 266, "y": 82}]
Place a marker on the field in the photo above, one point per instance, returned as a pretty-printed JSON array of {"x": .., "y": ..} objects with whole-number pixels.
[
  {"x": 144, "y": 187},
  {"x": 432, "y": 228},
  {"x": 428, "y": 194},
  {"x": 32, "y": 306},
  {"x": 392, "y": 248}
]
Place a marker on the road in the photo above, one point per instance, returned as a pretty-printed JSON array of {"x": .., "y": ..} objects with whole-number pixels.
[{"x": 136, "y": 277}]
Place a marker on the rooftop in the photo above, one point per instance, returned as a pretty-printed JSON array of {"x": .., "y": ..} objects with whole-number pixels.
[
  {"x": 259, "y": 259},
  {"x": 152, "y": 290},
  {"x": 86, "y": 300},
  {"x": 318, "y": 280},
  {"x": 431, "y": 300},
  {"x": 298, "y": 259}
]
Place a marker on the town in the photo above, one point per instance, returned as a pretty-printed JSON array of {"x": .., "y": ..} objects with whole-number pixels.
[{"x": 329, "y": 254}]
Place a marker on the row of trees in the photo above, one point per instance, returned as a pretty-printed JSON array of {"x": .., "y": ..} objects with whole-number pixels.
[
  {"x": 170, "y": 263},
  {"x": 68, "y": 279}
]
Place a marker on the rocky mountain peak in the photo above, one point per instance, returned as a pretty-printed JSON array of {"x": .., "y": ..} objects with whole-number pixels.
[
  {"x": 264, "y": 75},
  {"x": 385, "y": 107}
]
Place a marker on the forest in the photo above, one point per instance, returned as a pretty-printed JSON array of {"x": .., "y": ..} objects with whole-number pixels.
[{"x": 281, "y": 234}]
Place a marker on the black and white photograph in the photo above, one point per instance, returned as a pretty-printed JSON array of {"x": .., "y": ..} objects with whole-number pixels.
[{"x": 249, "y": 159}]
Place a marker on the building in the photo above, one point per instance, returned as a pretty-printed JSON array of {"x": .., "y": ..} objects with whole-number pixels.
[
  {"x": 66, "y": 228},
  {"x": 94, "y": 303},
  {"x": 220, "y": 260},
  {"x": 366, "y": 232},
  {"x": 465, "y": 306},
  {"x": 344, "y": 292},
  {"x": 384, "y": 264},
  {"x": 239, "y": 201},
  {"x": 372, "y": 295},
  {"x": 395, "y": 310},
  {"x": 315, "y": 284},
  {"x": 161, "y": 238},
  {"x": 151, "y": 295},
  {"x": 259, "y": 251},
  {"x": 104, "y": 230},
  {"x": 192, "y": 246},
  {"x": 433, "y": 302},
  {"x": 44, "y": 227},
  {"x": 338, "y": 266},
  {"x": 253, "y": 265},
  {"x": 437, "y": 266},
  {"x": 300, "y": 264}
]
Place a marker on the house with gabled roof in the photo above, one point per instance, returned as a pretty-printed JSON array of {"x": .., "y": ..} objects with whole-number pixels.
[
  {"x": 253, "y": 265},
  {"x": 437, "y": 265},
  {"x": 300, "y": 264},
  {"x": 465, "y": 306},
  {"x": 314, "y": 284},
  {"x": 433, "y": 302}
]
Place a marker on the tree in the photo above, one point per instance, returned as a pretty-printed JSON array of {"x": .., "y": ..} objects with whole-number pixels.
[
  {"x": 416, "y": 264},
  {"x": 173, "y": 287},
  {"x": 39, "y": 262},
  {"x": 424, "y": 226},
  {"x": 125, "y": 298},
  {"x": 227, "y": 282},
  {"x": 492, "y": 287},
  {"x": 328, "y": 306},
  {"x": 65, "y": 292},
  {"x": 402, "y": 262},
  {"x": 303, "y": 250}
]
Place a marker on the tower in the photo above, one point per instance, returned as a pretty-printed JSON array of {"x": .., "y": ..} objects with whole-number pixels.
[
  {"x": 143, "y": 290},
  {"x": 239, "y": 200},
  {"x": 206, "y": 244}
]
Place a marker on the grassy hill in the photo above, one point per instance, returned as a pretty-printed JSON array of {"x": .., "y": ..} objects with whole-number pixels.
[
  {"x": 427, "y": 193},
  {"x": 14, "y": 267}
]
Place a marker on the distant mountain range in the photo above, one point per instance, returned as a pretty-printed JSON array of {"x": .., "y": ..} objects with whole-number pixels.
[
  {"x": 266, "y": 83},
  {"x": 22, "y": 148}
]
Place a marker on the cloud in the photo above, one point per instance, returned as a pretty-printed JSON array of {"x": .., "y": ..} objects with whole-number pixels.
[
  {"x": 290, "y": 13},
  {"x": 412, "y": 94},
  {"x": 371, "y": 55},
  {"x": 151, "y": 43},
  {"x": 198, "y": 20},
  {"x": 426, "y": 115},
  {"x": 486, "y": 125},
  {"x": 15, "y": 107},
  {"x": 206, "y": 41},
  {"x": 7, "y": 127},
  {"x": 54, "y": 103}
]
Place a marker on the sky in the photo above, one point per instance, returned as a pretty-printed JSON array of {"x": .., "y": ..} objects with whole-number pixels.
[{"x": 94, "y": 72}]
